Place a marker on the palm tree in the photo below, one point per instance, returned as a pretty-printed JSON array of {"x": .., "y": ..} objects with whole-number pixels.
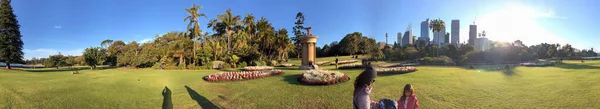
[
  {"x": 106, "y": 43},
  {"x": 249, "y": 25},
  {"x": 436, "y": 26},
  {"x": 194, "y": 15},
  {"x": 231, "y": 24}
]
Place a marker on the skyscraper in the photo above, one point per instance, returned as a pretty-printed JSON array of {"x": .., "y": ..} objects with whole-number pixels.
[
  {"x": 439, "y": 36},
  {"x": 399, "y": 40},
  {"x": 424, "y": 30},
  {"x": 472, "y": 34},
  {"x": 407, "y": 39},
  {"x": 455, "y": 29}
]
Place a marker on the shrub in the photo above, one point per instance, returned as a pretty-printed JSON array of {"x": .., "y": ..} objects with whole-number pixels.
[
  {"x": 243, "y": 64},
  {"x": 272, "y": 63},
  {"x": 442, "y": 60}
]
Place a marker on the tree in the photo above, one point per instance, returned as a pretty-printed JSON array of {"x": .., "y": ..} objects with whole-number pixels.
[
  {"x": 55, "y": 61},
  {"x": 11, "y": 45},
  {"x": 437, "y": 25},
  {"x": 194, "y": 14},
  {"x": 130, "y": 55},
  {"x": 349, "y": 44},
  {"x": 231, "y": 24},
  {"x": 106, "y": 43},
  {"x": 115, "y": 50},
  {"x": 94, "y": 56},
  {"x": 71, "y": 61},
  {"x": 298, "y": 34}
]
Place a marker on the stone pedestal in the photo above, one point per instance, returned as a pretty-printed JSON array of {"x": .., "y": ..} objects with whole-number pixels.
[{"x": 309, "y": 52}]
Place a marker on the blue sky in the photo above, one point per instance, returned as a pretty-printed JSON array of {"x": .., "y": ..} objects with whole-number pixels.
[{"x": 69, "y": 26}]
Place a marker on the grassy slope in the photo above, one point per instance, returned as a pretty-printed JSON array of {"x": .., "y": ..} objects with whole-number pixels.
[{"x": 570, "y": 85}]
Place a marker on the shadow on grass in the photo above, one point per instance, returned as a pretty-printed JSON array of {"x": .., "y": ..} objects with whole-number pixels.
[
  {"x": 574, "y": 66},
  {"x": 293, "y": 79},
  {"x": 167, "y": 102},
  {"x": 201, "y": 100}
]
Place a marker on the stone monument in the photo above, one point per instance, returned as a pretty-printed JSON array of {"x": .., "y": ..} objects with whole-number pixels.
[{"x": 309, "y": 57}]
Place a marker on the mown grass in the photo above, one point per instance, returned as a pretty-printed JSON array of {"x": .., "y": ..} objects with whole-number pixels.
[{"x": 571, "y": 84}]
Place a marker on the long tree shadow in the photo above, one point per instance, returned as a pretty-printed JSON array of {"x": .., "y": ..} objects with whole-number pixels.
[
  {"x": 167, "y": 101},
  {"x": 574, "y": 66},
  {"x": 201, "y": 100},
  {"x": 293, "y": 79}
]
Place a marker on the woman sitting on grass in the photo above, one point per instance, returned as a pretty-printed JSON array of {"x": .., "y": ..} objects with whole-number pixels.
[
  {"x": 409, "y": 99},
  {"x": 362, "y": 89}
]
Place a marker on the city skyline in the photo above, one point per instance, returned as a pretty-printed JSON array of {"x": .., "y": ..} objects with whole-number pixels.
[{"x": 70, "y": 26}]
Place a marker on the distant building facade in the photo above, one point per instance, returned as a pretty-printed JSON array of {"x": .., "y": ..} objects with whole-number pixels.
[
  {"x": 455, "y": 31},
  {"x": 408, "y": 38},
  {"x": 482, "y": 44},
  {"x": 399, "y": 40},
  {"x": 472, "y": 34},
  {"x": 439, "y": 36}
]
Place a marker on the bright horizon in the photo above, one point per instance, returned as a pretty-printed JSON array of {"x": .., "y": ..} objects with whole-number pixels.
[{"x": 49, "y": 27}]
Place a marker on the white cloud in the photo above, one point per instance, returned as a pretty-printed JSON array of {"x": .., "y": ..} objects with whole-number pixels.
[
  {"x": 146, "y": 40},
  {"x": 57, "y": 26},
  {"x": 44, "y": 52}
]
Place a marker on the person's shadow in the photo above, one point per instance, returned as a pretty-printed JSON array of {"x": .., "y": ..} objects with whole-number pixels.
[
  {"x": 167, "y": 101},
  {"x": 201, "y": 100}
]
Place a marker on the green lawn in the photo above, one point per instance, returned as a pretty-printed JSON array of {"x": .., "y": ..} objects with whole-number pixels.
[{"x": 569, "y": 85}]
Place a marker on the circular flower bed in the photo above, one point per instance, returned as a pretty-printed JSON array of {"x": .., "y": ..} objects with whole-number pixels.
[
  {"x": 241, "y": 75},
  {"x": 286, "y": 65},
  {"x": 350, "y": 66},
  {"x": 538, "y": 64},
  {"x": 322, "y": 63},
  {"x": 322, "y": 77},
  {"x": 258, "y": 68},
  {"x": 396, "y": 70}
]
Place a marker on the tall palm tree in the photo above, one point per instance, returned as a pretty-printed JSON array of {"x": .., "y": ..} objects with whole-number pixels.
[
  {"x": 195, "y": 30},
  {"x": 231, "y": 24},
  {"x": 249, "y": 25},
  {"x": 436, "y": 26}
]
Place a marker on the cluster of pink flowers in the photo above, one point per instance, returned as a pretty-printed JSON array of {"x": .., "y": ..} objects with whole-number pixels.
[
  {"x": 538, "y": 64},
  {"x": 395, "y": 70},
  {"x": 241, "y": 75},
  {"x": 350, "y": 66},
  {"x": 258, "y": 68},
  {"x": 322, "y": 77}
]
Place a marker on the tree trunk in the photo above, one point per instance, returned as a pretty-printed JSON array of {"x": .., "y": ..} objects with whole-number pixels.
[{"x": 8, "y": 65}]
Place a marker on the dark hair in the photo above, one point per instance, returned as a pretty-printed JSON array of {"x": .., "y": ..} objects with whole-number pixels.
[
  {"x": 365, "y": 78},
  {"x": 407, "y": 87}
]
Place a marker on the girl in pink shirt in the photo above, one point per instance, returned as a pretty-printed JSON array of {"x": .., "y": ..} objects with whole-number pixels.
[{"x": 409, "y": 99}]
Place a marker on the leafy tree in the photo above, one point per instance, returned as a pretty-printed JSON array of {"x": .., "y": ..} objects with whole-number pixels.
[
  {"x": 349, "y": 44},
  {"x": 11, "y": 45},
  {"x": 94, "y": 56},
  {"x": 115, "y": 50},
  {"x": 130, "y": 55},
  {"x": 71, "y": 61},
  {"x": 231, "y": 24},
  {"x": 55, "y": 61}
]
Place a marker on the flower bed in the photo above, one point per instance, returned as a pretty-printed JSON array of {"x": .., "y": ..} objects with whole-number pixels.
[
  {"x": 396, "y": 70},
  {"x": 350, "y": 66},
  {"x": 286, "y": 65},
  {"x": 538, "y": 64},
  {"x": 322, "y": 77},
  {"x": 258, "y": 68},
  {"x": 241, "y": 75},
  {"x": 345, "y": 62},
  {"x": 322, "y": 63}
]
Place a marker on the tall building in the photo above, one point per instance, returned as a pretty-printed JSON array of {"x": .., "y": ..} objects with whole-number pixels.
[
  {"x": 447, "y": 38},
  {"x": 472, "y": 34},
  {"x": 439, "y": 36},
  {"x": 399, "y": 38},
  {"x": 482, "y": 44},
  {"x": 408, "y": 38},
  {"x": 424, "y": 30},
  {"x": 455, "y": 31}
]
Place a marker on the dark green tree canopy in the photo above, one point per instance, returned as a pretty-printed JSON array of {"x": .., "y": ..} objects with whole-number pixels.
[{"x": 11, "y": 45}]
